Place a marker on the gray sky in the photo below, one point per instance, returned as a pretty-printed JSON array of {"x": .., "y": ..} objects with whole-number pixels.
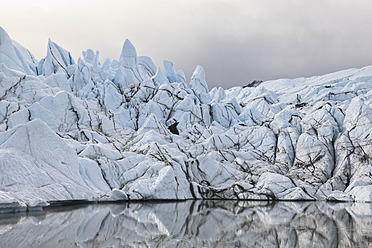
[{"x": 236, "y": 41}]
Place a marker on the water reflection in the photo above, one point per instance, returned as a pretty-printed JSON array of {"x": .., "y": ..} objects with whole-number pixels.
[{"x": 192, "y": 224}]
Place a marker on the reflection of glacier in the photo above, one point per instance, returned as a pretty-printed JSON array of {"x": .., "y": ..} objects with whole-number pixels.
[
  {"x": 194, "y": 224},
  {"x": 124, "y": 129}
]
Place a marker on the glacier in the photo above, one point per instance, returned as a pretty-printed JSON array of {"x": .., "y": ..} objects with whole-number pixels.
[{"x": 126, "y": 130}]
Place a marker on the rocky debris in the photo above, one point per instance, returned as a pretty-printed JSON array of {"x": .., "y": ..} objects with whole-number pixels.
[
  {"x": 254, "y": 83},
  {"x": 127, "y": 130}
]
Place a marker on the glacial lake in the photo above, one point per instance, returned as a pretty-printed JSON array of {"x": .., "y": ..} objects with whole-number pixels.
[{"x": 192, "y": 224}]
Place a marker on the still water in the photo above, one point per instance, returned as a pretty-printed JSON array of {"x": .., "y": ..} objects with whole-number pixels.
[{"x": 192, "y": 224}]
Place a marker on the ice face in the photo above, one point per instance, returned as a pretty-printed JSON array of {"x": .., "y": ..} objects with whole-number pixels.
[
  {"x": 127, "y": 130},
  {"x": 57, "y": 59},
  {"x": 15, "y": 56}
]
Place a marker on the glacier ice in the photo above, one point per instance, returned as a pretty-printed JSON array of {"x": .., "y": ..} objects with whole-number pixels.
[{"x": 126, "y": 130}]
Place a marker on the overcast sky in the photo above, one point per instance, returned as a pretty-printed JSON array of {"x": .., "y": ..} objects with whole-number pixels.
[{"x": 236, "y": 41}]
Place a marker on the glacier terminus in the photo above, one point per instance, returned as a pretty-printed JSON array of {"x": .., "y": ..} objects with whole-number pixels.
[{"x": 127, "y": 130}]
